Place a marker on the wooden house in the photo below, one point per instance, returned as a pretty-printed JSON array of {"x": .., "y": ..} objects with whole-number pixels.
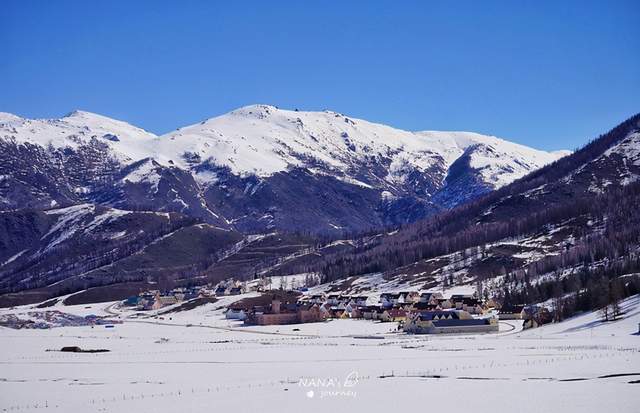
[{"x": 393, "y": 314}]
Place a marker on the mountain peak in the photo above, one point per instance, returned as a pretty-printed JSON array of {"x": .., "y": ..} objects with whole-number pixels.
[
  {"x": 259, "y": 110},
  {"x": 8, "y": 117},
  {"x": 83, "y": 115},
  {"x": 104, "y": 124},
  {"x": 79, "y": 113}
]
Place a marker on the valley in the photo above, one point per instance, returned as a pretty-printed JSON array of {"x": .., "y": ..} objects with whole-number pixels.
[{"x": 199, "y": 359}]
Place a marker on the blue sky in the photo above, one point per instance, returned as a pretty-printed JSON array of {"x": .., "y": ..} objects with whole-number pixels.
[{"x": 546, "y": 74}]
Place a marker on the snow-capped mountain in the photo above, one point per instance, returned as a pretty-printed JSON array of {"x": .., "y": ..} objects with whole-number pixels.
[
  {"x": 559, "y": 216},
  {"x": 126, "y": 142},
  {"x": 262, "y": 140},
  {"x": 256, "y": 168}
]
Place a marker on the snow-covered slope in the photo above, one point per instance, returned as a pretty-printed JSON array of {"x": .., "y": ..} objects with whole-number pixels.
[
  {"x": 87, "y": 244},
  {"x": 256, "y": 167},
  {"x": 499, "y": 162},
  {"x": 622, "y": 160},
  {"x": 262, "y": 140},
  {"x": 128, "y": 143}
]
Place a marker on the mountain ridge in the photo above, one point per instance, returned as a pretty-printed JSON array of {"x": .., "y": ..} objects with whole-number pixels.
[{"x": 251, "y": 168}]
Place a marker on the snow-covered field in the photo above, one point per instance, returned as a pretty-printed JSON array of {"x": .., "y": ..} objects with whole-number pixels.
[{"x": 580, "y": 365}]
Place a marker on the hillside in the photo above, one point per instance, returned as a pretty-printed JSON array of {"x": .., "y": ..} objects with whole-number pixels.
[
  {"x": 53, "y": 252},
  {"x": 115, "y": 253},
  {"x": 571, "y": 226}
]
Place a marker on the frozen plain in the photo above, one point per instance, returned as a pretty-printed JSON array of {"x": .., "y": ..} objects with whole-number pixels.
[{"x": 580, "y": 365}]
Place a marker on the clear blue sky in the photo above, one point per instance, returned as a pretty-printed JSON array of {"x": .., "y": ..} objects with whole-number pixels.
[{"x": 546, "y": 74}]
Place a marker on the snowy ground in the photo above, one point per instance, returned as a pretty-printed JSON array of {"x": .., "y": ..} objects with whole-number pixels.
[{"x": 165, "y": 366}]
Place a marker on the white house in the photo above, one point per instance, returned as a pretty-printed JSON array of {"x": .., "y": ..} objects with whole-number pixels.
[{"x": 235, "y": 314}]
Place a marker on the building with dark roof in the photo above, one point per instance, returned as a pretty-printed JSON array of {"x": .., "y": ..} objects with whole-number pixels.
[
  {"x": 453, "y": 321},
  {"x": 287, "y": 313}
]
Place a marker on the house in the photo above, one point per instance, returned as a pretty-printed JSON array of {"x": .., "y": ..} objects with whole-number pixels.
[
  {"x": 385, "y": 300},
  {"x": 191, "y": 293},
  {"x": 206, "y": 292},
  {"x": 431, "y": 298},
  {"x": 163, "y": 301},
  {"x": 395, "y": 299},
  {"x": 353, "y": 310},
  {"x": 460, "y": 297},
  {"x": 335, "y": 312},
  {"x": 360, "y": 300},
  {"x": 316, "y": 299},
  {"x": 444, "y": 304},
  {"x": 388, "y": 300},
  {"x": 540, "y": 314},
  {"x": 512, "y": 312},
  {"x": 408, "y": 297},
  {"x": 393, "y": 314},
  {"x": 371, "y": 312},
  {"x": 474, "y": 309},
  {"x": 147, "y": 300},
  {"x": 237, "y": 290},
  {"x": 451, "y": 321},
  {"x": 423, "y": 306},
  {"x": 277, "y": 314},
  {"x": 235, "y": 314},
  {"x": 131, "y": 301},
  {"x": 466, "y": 303},
  {"x": 333, "y": 299},
  {"x": 324, "y": 311}
]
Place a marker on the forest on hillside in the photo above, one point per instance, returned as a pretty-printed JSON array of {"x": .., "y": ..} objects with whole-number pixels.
[{"x": 584, "y": 273}]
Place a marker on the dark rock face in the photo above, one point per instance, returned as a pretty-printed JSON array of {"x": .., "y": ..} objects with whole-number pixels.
[
  {"x": 42, "y": 178},
  {"x": 30, "y": 179},
  {"x": 295, "y": 201},
  {"x": 463, "y": 182},
  {"x": 163, "y": 188}
]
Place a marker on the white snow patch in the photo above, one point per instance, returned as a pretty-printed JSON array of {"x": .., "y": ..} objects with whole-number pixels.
[
  {"x": 13, "y": 258},
  {"x": 147, "y": 173}
]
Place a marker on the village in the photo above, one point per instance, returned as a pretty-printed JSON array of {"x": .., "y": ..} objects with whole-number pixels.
[{"x": 414, "y": 312}]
